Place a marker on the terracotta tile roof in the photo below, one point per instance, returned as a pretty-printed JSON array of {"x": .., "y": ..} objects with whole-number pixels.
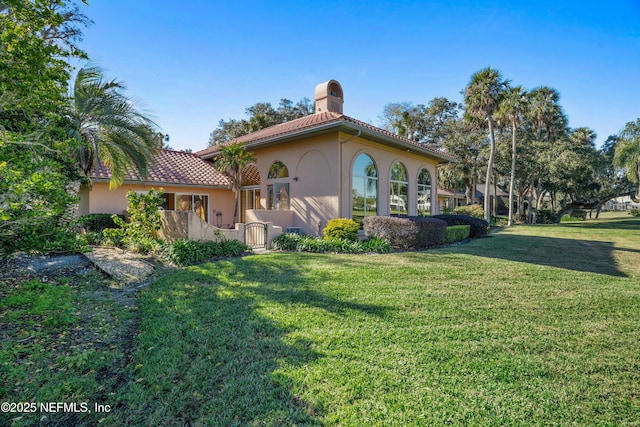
[
  {"x": 319, "y": 121},
  {"x": 174, "y": 167}
]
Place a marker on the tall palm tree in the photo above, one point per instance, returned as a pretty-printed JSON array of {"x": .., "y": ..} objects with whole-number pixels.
[
  {"x": 545, "y": 113},
  {"x": 108, "y": 127},
  {"x": 231, "y": 160},
  {"x": 482, "y": 97},
  {"x": 512, "y": 109},
  {"x": 627, "y": 153}
]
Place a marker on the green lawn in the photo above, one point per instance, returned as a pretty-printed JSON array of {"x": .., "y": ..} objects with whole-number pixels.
[{"x": 530, "y": 326}]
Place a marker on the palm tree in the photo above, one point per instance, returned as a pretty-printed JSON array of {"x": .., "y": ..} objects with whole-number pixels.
[
  {"x": 627, "y": 153},
  {"x": 108, "y": 128},
  {"x": 482, "y": 97},
  {"x": 545, "y": 112},
  {"x": 512, "y": 108},
  {"x": 231, "y": 160}
]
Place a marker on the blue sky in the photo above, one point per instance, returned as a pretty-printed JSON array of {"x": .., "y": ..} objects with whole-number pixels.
[{"x": 195, "y": 63}]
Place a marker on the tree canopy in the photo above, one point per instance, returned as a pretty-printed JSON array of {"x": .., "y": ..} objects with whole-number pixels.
[
  {"x": 260, "y": 115},
  {"x": 48, "y": 140},
  {"x": 553, "y": 167}
]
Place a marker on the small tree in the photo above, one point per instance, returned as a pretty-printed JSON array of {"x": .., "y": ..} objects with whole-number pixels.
[
  {"x": 140, "y": 232},
  {"x": 231, "y": 160}
]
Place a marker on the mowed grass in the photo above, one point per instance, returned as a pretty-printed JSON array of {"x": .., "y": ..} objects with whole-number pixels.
[{"x": 530, "y": 326}]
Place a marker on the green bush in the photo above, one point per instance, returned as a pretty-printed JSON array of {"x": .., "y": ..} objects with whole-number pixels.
[
  {"x": 546, "y": 216},
  {"x": 634, "y": 212},
  {"x": 96, "y": 223},
  {"x": 35, "y": 196},
  {"x": 475, "y": 211},
  {"x": 499, "y": 221},
  {"x": 187, "y": 252},
  {"x": 568, "y": 218},
  {"x": 139, "y": 234},
  {"x": 456, "y": 233},
  {"x": 376, "y": 244},
  {"x": 407, "y": 232},
  {"x": 295, "y": 242},
  {"x": 286, "y": 242},
  {"x": 580, "y": 213},
  {"x": 342, "y": 228},
  {"x": 479, "y": 227}
]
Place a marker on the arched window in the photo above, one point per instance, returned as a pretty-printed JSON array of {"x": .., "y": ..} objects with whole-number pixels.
[
  {"x": 278, "y": 191},
  {"x": 278, "y": 170},
  {"x": 424, "y": 192},
  {"x": 398, "y": 190},
  {"x": 364, "y": 190}
]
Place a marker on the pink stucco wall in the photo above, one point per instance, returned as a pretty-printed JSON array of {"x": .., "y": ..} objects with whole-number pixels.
[{"x": 100, "y": 199}]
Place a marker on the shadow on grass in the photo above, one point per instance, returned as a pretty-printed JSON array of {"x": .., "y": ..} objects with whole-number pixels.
[
  {"x": 211, "y": 352},
  {"x": 579, "y": 255}
]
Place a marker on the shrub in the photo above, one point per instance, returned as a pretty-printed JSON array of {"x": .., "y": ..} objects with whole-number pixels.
[
  {"x": 295, "y": 242},
  {"x": 479, "y": 227},
  {"x": 139, "y": 234},
  {"x": 286, "y": 242},
  {"x": 456, "y": 233},
  {"x": 95, "y": 223},
  {"x": 580, "y": 213},
  {"x": 406, "y": 232},
  {"x": 376, "y": 244},
  {"x": 499, "y": 221},
  {"x": 342, "y": 228},
  {"x": 34, "y": 201},
  {"x": 634, "y": 212},
  {"x": 187, "y": 252},
  {"x": 474, "y": 210},
  {"x": 546, "y": 216}
]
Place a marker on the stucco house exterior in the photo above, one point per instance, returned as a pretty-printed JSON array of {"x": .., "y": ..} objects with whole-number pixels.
[
  {"x": 189, "y": 184},
  {"x": 307, "y": 171}
]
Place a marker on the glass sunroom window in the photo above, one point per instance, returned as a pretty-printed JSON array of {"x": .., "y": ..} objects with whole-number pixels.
[
  {"x": 424, "y": 192},
  {"x": 398, "y": 190},
  {"x": 364, "y": 191},
  {"x": 198, "y": 203}
]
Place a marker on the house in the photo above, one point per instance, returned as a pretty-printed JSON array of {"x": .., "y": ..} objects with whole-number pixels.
[
  {"x": 189, "y": 184},
  {"x": 449, "y": 200},
  {"x": 307, "y": 171},
  {"x": 329, "y": 165}
]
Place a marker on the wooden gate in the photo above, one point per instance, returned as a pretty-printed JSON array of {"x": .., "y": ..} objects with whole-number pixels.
[{"x": 255, "y": 235}]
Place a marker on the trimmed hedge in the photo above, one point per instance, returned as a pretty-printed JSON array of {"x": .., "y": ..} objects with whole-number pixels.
[
  {"x": 456, "y": 233},
  {"x": 407, "y": 232},
  {"x": 479, "y": 227}
]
